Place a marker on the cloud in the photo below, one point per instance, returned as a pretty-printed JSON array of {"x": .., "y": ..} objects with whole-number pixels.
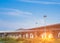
[
  {"x": 14, "y": 12},
  {"x": 13, "y": 25},
  {"x": 40, "y": 2}
]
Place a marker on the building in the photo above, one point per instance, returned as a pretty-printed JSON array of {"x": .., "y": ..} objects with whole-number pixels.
[{"x": 33, "y": 32}]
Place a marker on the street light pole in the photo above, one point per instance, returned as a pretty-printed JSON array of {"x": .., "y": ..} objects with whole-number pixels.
[
  {"x": 45, "y": 27},
  {"x": 45, "y": 23}
]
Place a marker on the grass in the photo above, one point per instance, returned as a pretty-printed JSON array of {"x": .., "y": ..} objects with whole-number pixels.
[{"x": 34, "y": 40}]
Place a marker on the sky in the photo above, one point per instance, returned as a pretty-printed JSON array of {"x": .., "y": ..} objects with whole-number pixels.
[{"x": 16, "y": 14}]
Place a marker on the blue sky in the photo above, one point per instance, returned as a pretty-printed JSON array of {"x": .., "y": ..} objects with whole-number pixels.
[{"x": 15, "y": 14}]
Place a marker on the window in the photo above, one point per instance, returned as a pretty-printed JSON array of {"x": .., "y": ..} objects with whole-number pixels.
[
  {"x": 20, "y": 36},
  {"x": 26, "y": 35},
  {"x": 59, "y": 35},
  {"x": 31, "y": 35}
]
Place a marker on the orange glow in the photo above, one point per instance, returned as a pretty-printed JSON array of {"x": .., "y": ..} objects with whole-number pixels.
[{"x": 47, "y": 36}]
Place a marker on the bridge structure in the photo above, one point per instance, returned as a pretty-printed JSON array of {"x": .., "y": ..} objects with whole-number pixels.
[{"x": 33, "y": 32}]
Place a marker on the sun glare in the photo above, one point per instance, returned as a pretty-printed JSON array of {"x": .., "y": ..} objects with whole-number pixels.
[{"x": 47, "y": 36}]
